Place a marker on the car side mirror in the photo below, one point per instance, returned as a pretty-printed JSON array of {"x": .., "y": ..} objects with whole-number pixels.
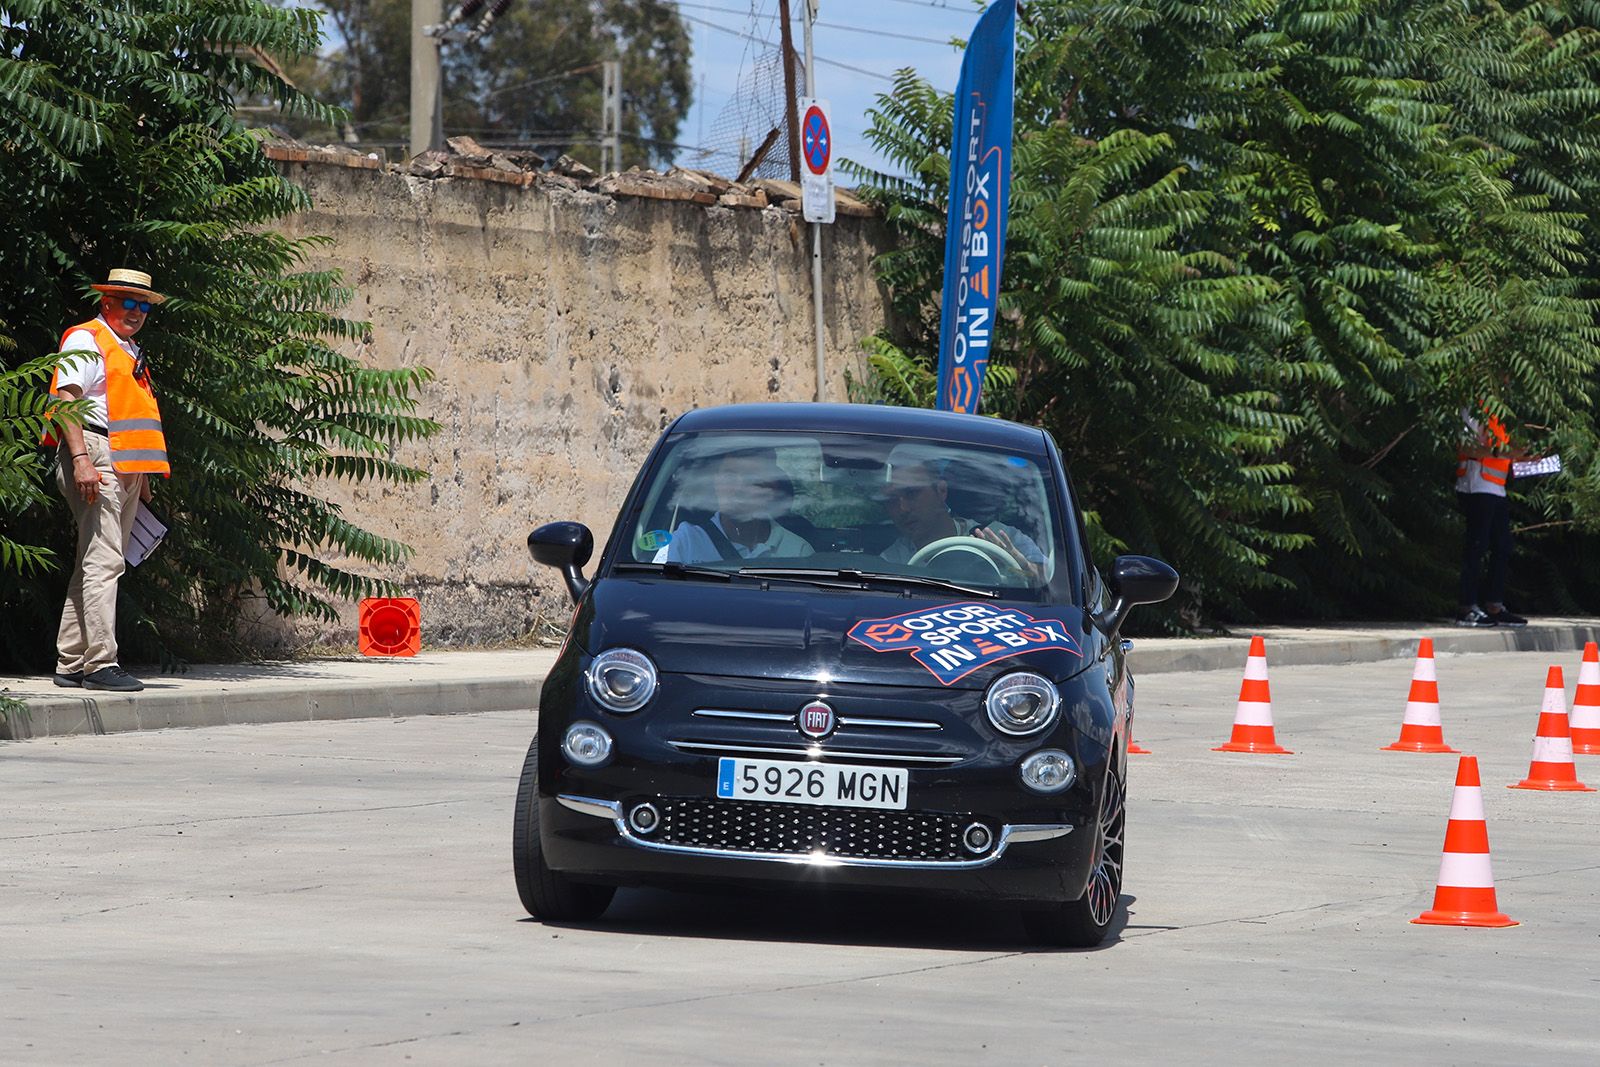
[
  {"x": 566, "y": 546},
  {"x": 1135, "y": 580}
]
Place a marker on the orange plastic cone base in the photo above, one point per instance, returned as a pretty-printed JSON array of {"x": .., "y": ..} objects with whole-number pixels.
[
  {"x": 1418, "y": 746},
  {"x": 1266, "y": 747},
  {"x": 1585, "y": 748},
  {"x": 1135, "y": 749},
  {"x": 1553, "y": 785},
  {"x": 1493, "y": 920}
]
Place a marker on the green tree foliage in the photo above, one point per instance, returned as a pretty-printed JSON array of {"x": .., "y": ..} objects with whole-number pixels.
[
  {"x": 534, "y": 78},
  {"x": 118, "y": 147},
  {"x": 1261, "y": 255}
]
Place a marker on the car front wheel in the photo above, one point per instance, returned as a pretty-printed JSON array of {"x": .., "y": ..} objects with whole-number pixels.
[
  {"x": 1084, "y": 923},
  {"x": 547, "y": 894}
]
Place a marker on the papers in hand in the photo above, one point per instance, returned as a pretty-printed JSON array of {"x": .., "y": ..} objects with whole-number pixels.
[
  {"x": 147, "y": 534},
  {"x": 1532, "y": 468}
]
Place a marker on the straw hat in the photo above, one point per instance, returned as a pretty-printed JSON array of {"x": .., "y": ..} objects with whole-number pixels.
[{"x": 132, "y": 282}]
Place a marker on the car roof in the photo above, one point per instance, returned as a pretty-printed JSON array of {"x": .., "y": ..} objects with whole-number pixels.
[{"x": 879, "y": 419}]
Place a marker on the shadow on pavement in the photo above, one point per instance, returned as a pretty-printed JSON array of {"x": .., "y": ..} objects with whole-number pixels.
[{"x": 829, "y": 917}]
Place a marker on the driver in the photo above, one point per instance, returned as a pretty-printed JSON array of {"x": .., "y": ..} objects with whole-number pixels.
[
  {"x": 751, "y": 490},
  {"x": 915, "y": 500}
]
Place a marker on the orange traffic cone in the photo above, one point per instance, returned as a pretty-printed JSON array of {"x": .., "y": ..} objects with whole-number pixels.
[
  {"x": 1136, "y": 749},
  {"x": 1252, "y": 722},
  {"x": 389, "y": 626},
  {"x": 1464, "y": 895},
  {"x": 1420, "y": 729},
  {"x": 1552, "y": 767},
  {"x": 1586, "y": 704}
]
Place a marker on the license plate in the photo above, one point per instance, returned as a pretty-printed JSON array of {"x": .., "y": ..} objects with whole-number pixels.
[{"x": 832, "y": 784}]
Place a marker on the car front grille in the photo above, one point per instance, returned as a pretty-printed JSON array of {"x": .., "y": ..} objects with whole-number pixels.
[{"x": 845, "y": 833}]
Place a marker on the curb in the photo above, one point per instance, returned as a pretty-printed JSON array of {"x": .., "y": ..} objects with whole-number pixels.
[
  {"x": 1305, "y": 648},
  {"x": 116, "y": 713}
]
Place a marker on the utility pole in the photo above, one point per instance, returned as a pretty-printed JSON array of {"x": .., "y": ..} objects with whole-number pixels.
[
  {"x": 787, "y": 40},
  {"x": 816, "y": 227},
  {"x": 611, "y": 116},
  {"x": 427, "y": 103}
]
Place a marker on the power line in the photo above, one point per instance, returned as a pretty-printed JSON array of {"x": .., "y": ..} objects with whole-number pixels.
[
  {"x": 752, "y": 37},
  {"x": 825, "y": 25}
]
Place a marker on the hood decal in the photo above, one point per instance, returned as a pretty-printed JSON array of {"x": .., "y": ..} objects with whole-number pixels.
[{"x": 953, "y": 640}]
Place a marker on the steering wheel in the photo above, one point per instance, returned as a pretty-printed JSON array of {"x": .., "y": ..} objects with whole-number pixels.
[{"x": 990, "y": 553}]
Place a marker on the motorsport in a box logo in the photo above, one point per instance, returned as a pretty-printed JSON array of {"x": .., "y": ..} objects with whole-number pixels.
[{"x": 954, "y": 640}]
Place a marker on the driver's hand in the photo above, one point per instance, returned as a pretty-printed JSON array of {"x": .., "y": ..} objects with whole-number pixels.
[{"x": 1002, "y": 540}]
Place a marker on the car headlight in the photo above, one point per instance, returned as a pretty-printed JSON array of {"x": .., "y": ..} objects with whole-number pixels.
[
  {"x": 622, "y": 680},
  {"x": 1022, "y": 703}
]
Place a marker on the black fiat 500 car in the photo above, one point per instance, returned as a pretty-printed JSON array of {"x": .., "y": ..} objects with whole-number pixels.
[{"x": 842, "y": 644}]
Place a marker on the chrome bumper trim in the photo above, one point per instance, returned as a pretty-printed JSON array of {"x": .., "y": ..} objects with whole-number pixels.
[
  {"x": 810, "y": 752},
  {"x": 600, "y": 809},
  {"x": 846, "y": 722},
  {"x": 1019, "y": 833},
  {"x": 889, "y": 724},
  {"x": 753, "y": 716}
]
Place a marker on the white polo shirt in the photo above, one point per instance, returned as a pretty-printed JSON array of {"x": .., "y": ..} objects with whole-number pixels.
[
  {"x": 88, "y": 373},
  {"x": 691, "y": 544}
]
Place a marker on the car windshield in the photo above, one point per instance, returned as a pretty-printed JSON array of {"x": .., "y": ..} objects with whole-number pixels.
[{"x": 827, "y": 506}]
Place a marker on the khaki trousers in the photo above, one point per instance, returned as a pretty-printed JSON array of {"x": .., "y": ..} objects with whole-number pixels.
[{"x": 87, "y": 640}]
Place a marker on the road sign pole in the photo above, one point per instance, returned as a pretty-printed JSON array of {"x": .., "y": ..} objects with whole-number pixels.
[{"x": 816, "y": 227}]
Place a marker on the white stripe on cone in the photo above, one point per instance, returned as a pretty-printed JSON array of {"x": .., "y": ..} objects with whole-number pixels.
[
  {"x": 1467, "y": 804},
  {"x": 1255, "y": 669},
  {"x": 1552, "y": 749},
  {"x": 1555, "y": 701},
  {"x": 1466, "y": 870},
  {"x": 1422, "y": 714},
  {"x": 1425, "y": 671},
  {"x": 1253, "y": 713}
]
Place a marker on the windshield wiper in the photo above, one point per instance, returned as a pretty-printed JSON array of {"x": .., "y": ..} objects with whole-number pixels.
[
  {"x": 867, "y": 578},
  {"x": 689, "y": 570},
  {"x": 678, "y": 570}
]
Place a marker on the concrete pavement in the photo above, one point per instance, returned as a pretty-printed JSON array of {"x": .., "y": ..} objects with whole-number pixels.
[
  {"x": 340, "y": 892},
  {"x": 445, "y": 682}
]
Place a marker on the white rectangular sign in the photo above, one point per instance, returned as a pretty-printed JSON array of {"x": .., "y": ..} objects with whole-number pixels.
[{"x": 816, "y": 160}]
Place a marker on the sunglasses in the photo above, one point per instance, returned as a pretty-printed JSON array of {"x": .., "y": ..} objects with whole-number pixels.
[{"x": 143, "y": 305}]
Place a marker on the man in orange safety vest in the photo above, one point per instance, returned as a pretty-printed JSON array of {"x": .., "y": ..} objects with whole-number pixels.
[
  {"x": 1483, "y": 469},
  {"x": 104, "y": 472}
]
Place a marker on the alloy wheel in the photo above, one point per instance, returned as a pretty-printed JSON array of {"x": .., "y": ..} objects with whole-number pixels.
[{"x": 1105, "y": 876}]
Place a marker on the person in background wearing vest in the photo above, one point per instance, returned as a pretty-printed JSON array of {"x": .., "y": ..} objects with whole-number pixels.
[
  {"x": 1483, "y": 467},
  {"x": 104, "y": 472}
]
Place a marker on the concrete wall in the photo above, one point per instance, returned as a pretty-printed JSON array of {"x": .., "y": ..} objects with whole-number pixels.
[{"x": 565, "y": 327}]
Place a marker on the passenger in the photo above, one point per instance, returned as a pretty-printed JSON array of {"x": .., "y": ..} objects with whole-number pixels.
[
  {"x": 916, "y": 502},
  {"x": 752, "y": 493}
]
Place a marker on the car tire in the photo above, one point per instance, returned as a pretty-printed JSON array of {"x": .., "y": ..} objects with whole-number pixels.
[
  {"x": 546, "y": 894},
  {"x": 1084, "y": 923}
]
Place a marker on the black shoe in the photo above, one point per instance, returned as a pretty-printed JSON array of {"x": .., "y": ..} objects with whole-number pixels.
[
  {"x": 70, "y": 681},
  {"x": 1505, "y": 618},
  {"x": 1475, "y": 618},
  {"x": 113, "y": 679}
]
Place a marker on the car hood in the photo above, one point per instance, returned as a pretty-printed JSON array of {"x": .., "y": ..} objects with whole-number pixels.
[{"x": 808, "y": 633}]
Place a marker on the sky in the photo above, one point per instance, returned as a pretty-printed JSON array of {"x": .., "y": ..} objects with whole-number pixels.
[{"x": 876, "y": 37}]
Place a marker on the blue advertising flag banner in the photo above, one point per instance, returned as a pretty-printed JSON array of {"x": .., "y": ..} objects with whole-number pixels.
[{"x": 980, "y": 190}]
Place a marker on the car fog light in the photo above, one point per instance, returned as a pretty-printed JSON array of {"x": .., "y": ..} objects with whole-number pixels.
[
  {"x": 586, "y": 744},
  {"x": 644, "y": 819},
  {"x": 978, "y": 838},
  {"x": 1049, "y": 770}
]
